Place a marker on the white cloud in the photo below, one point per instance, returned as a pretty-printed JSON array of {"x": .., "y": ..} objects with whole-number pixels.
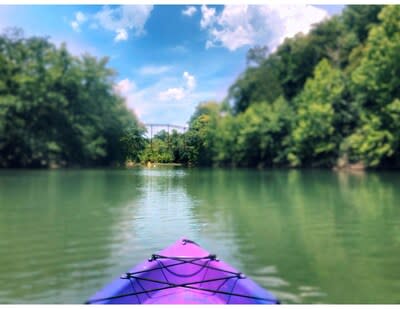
[
  {"x": 209, "y": 44},
  {"x": 75, "y": 46},
  {"x": 190, "y": 81},
  {"x": 154, "y": 70},
  {"x": 178, "y": 93},
  {"x": 125, "y": 86},
  {"x": 133, "y": 98},
  {"x": 172, "y": 94},
  {"x": 75, "y": 26},
  {"x": 121, "y": 20},
  {"x": 124, "y": 18},
  {"x": 80, "y": 18},
  {"x": 189, "y": 11},
  {"x": 243, "y": 25},
  {"x": 122, "y": 35},
  {"x": 175, "y": 106},
  {"x": 207, "y": 16}
]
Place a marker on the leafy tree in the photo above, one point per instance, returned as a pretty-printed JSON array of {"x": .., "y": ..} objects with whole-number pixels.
[
  {"x": 373, "y": 141},
  {"x": 201, "y": 135},
  {"x": 329, "y": 94},
  {"x": 157, "y": 151},
  {"x": 226, "y": 146},
  {"x": 256, "y": 55},
  {"x": 263, "y": 130},
  {"x": 134, "y": 142},
  {"x": 360, "y": 18},
  {"x": 298, "y": 58},
  {"x": 57, "y": 109},
  {"x": 376, "y": 86},
  {"x": 314, "y": 139},
  {"x": 256, "y": 84},
  {"x": 179, "y": 147}
]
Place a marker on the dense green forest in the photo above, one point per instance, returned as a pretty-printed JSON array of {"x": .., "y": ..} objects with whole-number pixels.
[
  {"x": 328, "y": 98},
  {"x": 59, "y": 110}
]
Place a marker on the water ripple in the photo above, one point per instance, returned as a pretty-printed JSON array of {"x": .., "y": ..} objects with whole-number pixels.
[{"x": 308, "y": 236}]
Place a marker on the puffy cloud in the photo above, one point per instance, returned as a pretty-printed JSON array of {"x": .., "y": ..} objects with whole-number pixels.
[
  {"x": 121, "y": 20},
  {"x": 175, "y": 105},
  {"x": 172, "y": 94},
  {"x": 124, "y": 18},
  {"x": 154, "y": 70},
  {"x": 75, "y": 25},
  {"x": 76, "y": 46},
  {"x": 180, "y": 92},
  {"x": 122, "y": 35},
  {"x": 241, "y": 25},
  {"x": 190, "y": 81},
  {"x": 209, "y": 44},
  {"x": 189, "y": 11},
  {"x": 133, "y": 97},
  {"x": 207, "y": 16},
  {"x": 125, "y": 86},
  {"x": 80, "y": 18}
]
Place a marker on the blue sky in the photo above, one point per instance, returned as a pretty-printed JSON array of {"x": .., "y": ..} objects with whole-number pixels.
[{"x": 169, "y": 58}]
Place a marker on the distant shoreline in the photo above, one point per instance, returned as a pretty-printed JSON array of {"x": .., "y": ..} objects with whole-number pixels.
[{"x": 350, "y": 168}]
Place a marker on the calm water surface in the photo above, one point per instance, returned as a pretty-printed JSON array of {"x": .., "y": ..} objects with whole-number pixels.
[{"x": 308, "y": 236}]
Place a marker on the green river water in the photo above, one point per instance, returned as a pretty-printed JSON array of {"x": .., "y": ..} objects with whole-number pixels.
[{"x": 309, "y": 236}]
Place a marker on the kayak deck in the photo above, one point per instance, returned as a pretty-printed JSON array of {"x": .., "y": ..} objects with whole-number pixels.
[{"x": 183, "y": 273}]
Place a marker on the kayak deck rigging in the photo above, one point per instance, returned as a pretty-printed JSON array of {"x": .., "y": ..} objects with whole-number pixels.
[{"x": 166, "y": 278}]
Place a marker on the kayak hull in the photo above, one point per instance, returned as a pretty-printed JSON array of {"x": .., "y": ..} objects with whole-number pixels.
[{"x": 183, "y": 273}]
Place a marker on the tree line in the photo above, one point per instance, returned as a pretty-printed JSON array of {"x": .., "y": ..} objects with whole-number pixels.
[
  {"x": 60, "y": 110},
  {"x": 328, "y": 98}
]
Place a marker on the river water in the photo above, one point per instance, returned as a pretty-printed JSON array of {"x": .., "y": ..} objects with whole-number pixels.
[{"x": 309, "y": 236}]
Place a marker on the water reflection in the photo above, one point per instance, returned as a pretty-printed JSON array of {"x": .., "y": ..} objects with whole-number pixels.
[
  {"x": 164, "y": 208},
  {"x": 57, "y": 230},
  {"x": 312, "y": 227},
  {"x": 309, "y": 236}
]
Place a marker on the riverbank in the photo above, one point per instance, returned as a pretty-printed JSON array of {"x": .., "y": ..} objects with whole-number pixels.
[{"x": 149, "y": 164}]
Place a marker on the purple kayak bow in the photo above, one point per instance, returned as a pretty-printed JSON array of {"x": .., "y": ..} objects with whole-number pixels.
[{"x": 183, "y": 273}]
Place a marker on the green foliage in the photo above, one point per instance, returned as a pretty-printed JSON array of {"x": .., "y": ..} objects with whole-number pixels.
[
  {"x": 297, "y": 60},
  {"x": 358, "y": 19},
  {"x": 57, "y": 109},
  {"x": 256, "y": 84},
  {"x": 313, "y": 136},
  {"x": 376, "y": 86},
  {"x": 377, "y": 78},
  {"x": 134, "y": 142},
  {"x": 201, "y": 135},
  {"x": 253, "y": 138},
  {"x": 256, "y": 55},
  {"x": 157, "y": 151},
  {"x": 226, "y": 146},
  {"x": 378, "y": 137},
  {"x": 263, "y": 130},
  {"x": 165, "y": 147},
  {"x": 334, "y": 92},
  {"x": 333, "y": 39},
  {"x": 179, "y": 147}
]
